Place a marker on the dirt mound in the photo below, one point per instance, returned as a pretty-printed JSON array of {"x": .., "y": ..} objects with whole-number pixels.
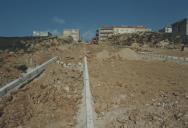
[
  {"x": 128, "y": 54},
  {"x": 103, "y": 55},
  {"x": 125, "y": 53},
  {"x": 51, "y": 100}
]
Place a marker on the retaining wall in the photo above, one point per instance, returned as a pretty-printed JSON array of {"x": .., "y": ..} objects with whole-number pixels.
[
  {"x": 16, "y": 84},
  {"x": 179, "y": 60}
]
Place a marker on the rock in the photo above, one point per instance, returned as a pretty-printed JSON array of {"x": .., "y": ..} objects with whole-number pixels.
[
  {"x": 119, "y": 84},
  {"x": 178, "y": 116},
  {"x": 58, "y": 82},
  {"x": 175, "y": 94},
  {"x": 22, "y": 67},
  {"x": 67, "y": 89},
  {"x": 122, "y": 118},
  {"x": 185, "y": 118}
]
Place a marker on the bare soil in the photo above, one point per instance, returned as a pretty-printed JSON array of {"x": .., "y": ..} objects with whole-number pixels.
[
  {"x": 137, "y": 93},
  {"x": 51, "y": 101},
  {"x": 171, "y": 52},
  {"x": 128, "y": 92}
]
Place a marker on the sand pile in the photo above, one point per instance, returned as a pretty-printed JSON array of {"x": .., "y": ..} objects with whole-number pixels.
[{"x": 128, "y": 54}]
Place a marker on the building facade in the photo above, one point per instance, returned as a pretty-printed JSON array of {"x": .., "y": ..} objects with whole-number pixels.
[
  {"x": 105, "y": 32},
  {"x": 74, "y": 33},
  {"x": 41, "y": 34},
  {"x": 180, "y": 27},
  {"x": 167, "y": 29},
  {"x": 129, "y": 29}
]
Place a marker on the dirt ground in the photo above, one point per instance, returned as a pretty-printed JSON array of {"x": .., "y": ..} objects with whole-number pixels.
[
  {"x": 128, "y": 92},
  {"x": 28, "y": 52},
  {"x": 10, "y": 61},
  {"x": 137, "y": 93},
  {"x": 171, "y": 52},
  {"x": 52, "y": 100}
]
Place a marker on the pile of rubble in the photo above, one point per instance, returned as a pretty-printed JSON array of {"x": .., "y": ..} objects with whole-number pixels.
[{"x": 151, "y": 39}]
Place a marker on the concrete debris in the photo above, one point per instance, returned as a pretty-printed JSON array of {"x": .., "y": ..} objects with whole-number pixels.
[{"x": 72, "y": 66}]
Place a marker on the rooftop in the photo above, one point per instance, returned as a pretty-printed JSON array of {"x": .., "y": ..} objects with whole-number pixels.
[
  {"x": 183, "y": 20},
  {"x": 71, "y": 29},
  {"x": 122, "y": 26}
]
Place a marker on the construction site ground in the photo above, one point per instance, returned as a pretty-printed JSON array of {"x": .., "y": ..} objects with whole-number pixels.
[
  {"x": 170, "y": 52},
  {"x": 128, "y": 92},
  {"x": 50, "y": 101}
]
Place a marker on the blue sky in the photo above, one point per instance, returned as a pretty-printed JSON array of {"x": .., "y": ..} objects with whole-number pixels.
[{"x": 21, "y": 17}]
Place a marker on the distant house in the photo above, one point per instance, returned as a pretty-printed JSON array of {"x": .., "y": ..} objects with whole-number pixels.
[
  {"x": 167, "y": 29},
  {"x": 41, "y": 34},
  {"x": 180, "y": 27},
  {"x": 104, "y": 33},
  {"x": 74, "y": 33}
]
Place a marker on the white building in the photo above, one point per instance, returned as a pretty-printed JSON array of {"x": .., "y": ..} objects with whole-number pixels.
[
  {"x": 129, "y": 29},
  {"x": 105, "y": 32},
  {"x": 41, "y": 34},
  {"x": 167, "y": 29},
  {"x": 74, "y": 33}
]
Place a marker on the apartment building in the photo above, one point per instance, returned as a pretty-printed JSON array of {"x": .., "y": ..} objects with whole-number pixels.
[
  {"x": 74, "y": 33},
  {"x": 180, "y": 27},
  {"x": 129, "y": 29},
  {"x": 105, "y": 32}
]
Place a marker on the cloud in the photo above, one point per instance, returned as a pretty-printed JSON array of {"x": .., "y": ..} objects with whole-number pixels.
[
  {"x": 58, "y": 20},
  {"x": 88, "y": 35}
]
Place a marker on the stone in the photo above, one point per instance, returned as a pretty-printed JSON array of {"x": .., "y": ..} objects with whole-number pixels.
[{"x": 67, "y": 89}]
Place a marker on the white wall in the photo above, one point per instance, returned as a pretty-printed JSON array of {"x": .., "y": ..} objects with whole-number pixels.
[
  {"x": 75, "y": 33},
  {"x": 128, "y": 30}
]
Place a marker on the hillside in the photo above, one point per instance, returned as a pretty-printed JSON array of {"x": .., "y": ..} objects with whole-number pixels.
[
  {"x": 152, "y": 39},
  {"x": 17, "y": 54}
]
